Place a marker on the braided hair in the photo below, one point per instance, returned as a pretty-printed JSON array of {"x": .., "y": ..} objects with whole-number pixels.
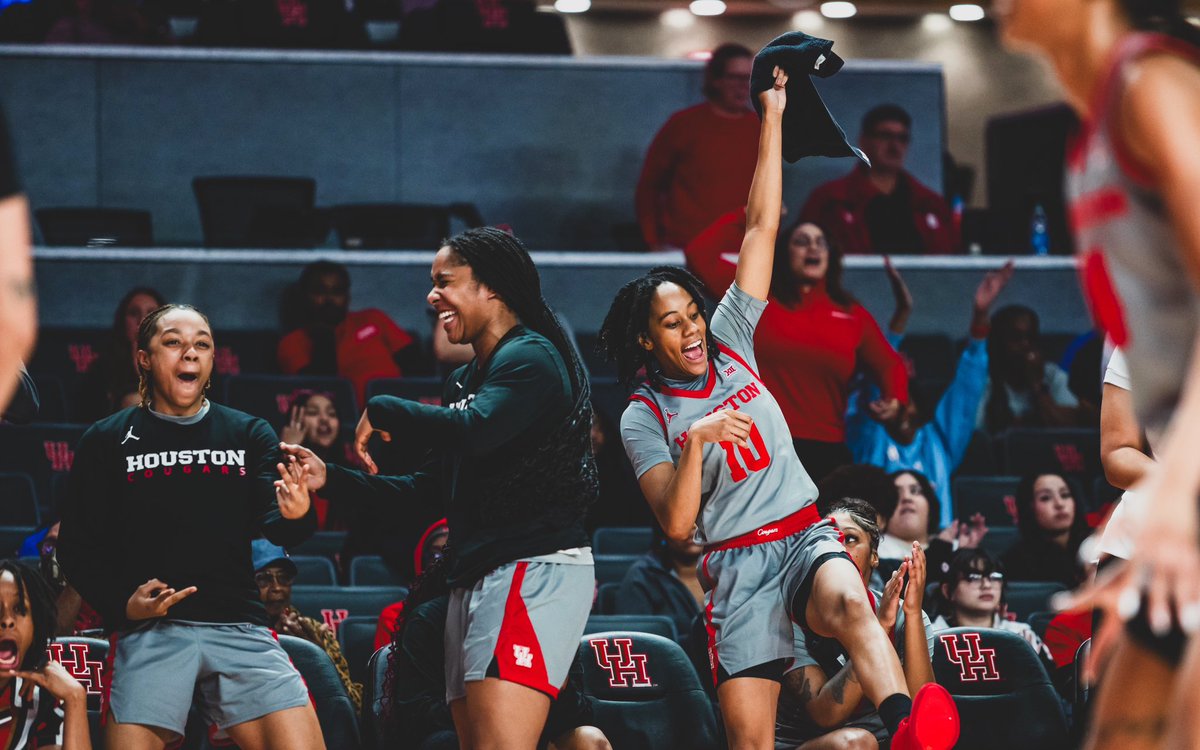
[
  {"x": 627, "y": 324},
  {"x": 1162, "y": 16},
  {"x": 43, "y": 609}
]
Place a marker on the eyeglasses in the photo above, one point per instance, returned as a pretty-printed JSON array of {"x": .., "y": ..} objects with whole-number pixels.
[
  {"x": 266, "y": 578},
  {"x": 978, "y": 578}
]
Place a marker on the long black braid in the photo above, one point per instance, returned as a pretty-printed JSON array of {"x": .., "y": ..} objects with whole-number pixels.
[
  {"x": 557, "y": 480},
  {"x": 628, "y": 324},
  {"x": 43, "y": 609}
]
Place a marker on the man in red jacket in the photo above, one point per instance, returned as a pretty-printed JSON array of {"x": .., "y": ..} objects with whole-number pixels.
[{"x": 882, "y": 208}]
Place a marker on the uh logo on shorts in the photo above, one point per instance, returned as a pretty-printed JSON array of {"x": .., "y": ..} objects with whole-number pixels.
[
  {"x": 625, "y": 668},
  {"x": 974, "y": 662}
]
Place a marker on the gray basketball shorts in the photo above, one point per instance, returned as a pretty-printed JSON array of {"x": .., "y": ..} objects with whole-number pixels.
[
  {"x": 748, "y": 594},
  {"x": 521, "y": 623},
  {"x": 235, "y": 673}
]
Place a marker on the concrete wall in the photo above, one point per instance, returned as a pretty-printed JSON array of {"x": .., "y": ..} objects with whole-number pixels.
[{"x": 551, "y": 146}]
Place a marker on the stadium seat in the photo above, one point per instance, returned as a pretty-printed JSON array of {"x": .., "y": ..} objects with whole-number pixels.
[
  {"x": 339, "y": 723},
  {"x": 371, "y": 570},
  {"x": 1039, "y": 621},
  {"x": 933, "y": 355},
  {"x": 246, "y": 352},
  {"x": 20, "y": 504},
  {"x": 313, "y": 570},
  {"x": 399, "y": 226},
  {"x": 645, "y": 694},
  {"x": 86, "y": 659},
  {"x": 95, "y": 227},
  {"x": 372, "y": 700},
  {"x": 980, "y": 458},
  {"x": 40, "y": 450},
  {"x": 1000, "y": 540},
  {"x": 244, "y": 212},
  {"x": 994, "y": 497},
  {"x": 333, "y": 604},
  {"x": 1067, "y": 451},
  {"x": 322, "y": 543},
  {"x": 66, "y": 352},
  {"x": 53, "y": 407},
  {"x": 612, "y": 568},
  {"x": 1026, "y": 597},
  {"x": 606, "y": 599},
  {"x": 424, "y": 390},
  {"x": 653, "y": 624},
  {"x": 995, "y": 676},
  {"x": 617, "y": 540},
  {"x": 270, "y": 396},
  {"x": 356, "y": 636},
  {"x": 11, "y": 538}
]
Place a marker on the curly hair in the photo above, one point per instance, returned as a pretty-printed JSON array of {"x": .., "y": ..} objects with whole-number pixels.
[
  {"x": 43, "y": 609},
  {"x": 627, "y": 324}
]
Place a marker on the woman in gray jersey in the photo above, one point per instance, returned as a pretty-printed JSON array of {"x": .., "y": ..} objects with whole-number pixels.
[
  {"x": 713, "y": 452},
  {"x": 1132, "y": 70}
]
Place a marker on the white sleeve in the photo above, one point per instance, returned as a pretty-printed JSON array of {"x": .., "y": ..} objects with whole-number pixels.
[
  {"x": 1118, "y": 371},
  {"x": 1058, "y": 384},
  {"x": 643, "y": 437},
  {"x": 735, "y": 319}
]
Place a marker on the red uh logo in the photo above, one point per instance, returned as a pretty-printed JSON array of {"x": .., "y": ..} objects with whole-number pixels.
[
  {"x": 227, "y": 362},
  {"x": 334, "y": 617},
  {"x": 1069, "y": 457},
  {"x": 59, "y": 454},
  {"x": 1010, "y": 506},
  {"x": 82, "y": 355},
  {"x": 625, "y": 668},
  {"x": 74, "y": 658},
  {"x": 974, "y": 662}
]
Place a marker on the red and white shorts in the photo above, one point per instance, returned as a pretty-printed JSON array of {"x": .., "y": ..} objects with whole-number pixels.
[{"x": 521, "y": 623}]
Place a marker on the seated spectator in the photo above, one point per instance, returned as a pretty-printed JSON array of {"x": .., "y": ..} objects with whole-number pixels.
[
  {"x": 822, "y": 705},
  {"x": 973, "y": 597},
  {"x": 895, "y": 436},
  {"x": 812, "y": 337},
  {"x": 331, "y": 340},
  {"x": 111, "y": 382},
  {"x": 664, "y": 582},
  {"x": 274, "y": 574},
  {"x": 42, "y": 704},
  {"x": 882, "y": 208},
  {"x": 414, "y": 693},
  {"x": 621, "y": 502},
  {"x": 1052, "y": 526},
  {"x": 314, "y": 423},
  {"x": 1036, "y": 393},
  {"x": 430, "y": 549},
  {"x": 915, "y": 520},
  {"x": 700, "y": 163}
]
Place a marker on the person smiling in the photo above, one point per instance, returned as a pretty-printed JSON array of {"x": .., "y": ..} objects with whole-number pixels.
[
  {"x": 713, "y": 454},
  {"x": 163, "y": 501}
]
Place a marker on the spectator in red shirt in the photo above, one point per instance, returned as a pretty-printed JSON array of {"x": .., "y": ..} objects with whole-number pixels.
[
  {"x": 700, "y": 164},
  {"x": 359, "y": 346},
  {"x": 882, "y": 208},
  {"x": 812, "y": 337}
]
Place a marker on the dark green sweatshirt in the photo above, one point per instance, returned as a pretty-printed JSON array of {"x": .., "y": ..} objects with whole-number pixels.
[
  {"x": 149, "y": 498},
  {"x": 493, "y": 417}
]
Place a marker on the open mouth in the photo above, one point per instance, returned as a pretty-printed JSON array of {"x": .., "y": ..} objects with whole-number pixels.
[
  {"x": 812, "y": 262},
  {"x": 447, "y": 317},
  {"x": 694, "y": 352},
  {"x": 9, "y": 656},
  {"x": 188, "y": 377}
]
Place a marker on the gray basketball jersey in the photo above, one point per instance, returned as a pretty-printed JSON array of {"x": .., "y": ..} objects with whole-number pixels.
[
  {"x": 1136, "y": 282},
  {"x": 742, "y": 488}
]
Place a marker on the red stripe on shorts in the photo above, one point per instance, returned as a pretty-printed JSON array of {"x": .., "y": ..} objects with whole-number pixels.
[
  {"x": 708, "y": 623},
  {"x": 518, "y": 653}
]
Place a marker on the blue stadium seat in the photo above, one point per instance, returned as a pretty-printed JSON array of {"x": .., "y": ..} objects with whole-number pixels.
[
  {"x": 323, "y": 543},
  {"x": 371, "y": 570},
  {"x": 356, "y": 635},
  {"x": 653, "y": 624},
  {"x": 612, "y": 568},
  {"x": 246, "y": 352},
  {"x": 1072, "y": 452},
  {"x": 20, "y": 502},
  {"x": 270, "y": 396},
  {"x": 1000, "y": 540},
  {"x": 1027, "y": 597},
  {"x": 95, "y": 227},
  {"x": 333, "y": 604},
  {"x": 606, "y": 598},
  {"x": 980, "y": 458},
  {"x": 312, "y": 570},
  {"x": 335, "y": 711},
  {"x": 645, "y": 693},
  {"x": 994, "y": 497},
  {"x": 53, "y": 407},
  {"x": 66, "y": 352},
  {"x": 40, "y": 450},
  {"x": 391, "y": 226},
  {"x": 248, "y": 211},
  {"x": 622, "y": 540},
  {"x": 995, "y": 676},
  {"x": 372, "y": 700},
  {"x": 11, "y": 538}
]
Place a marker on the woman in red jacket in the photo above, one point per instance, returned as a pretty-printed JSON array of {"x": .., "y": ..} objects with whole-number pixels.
[{"x": 812, "y": 337}]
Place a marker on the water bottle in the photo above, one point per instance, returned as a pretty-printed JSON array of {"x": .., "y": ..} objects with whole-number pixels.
[{"x": 1039, "y": 241}]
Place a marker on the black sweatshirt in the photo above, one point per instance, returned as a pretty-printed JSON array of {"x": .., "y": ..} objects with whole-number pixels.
[
  {"x": 493, "y": 416},
  {"x": 149, "y": 498}
]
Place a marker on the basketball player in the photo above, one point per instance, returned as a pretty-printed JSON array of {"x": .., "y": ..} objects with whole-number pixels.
[
  {"x": 1131, "y": 68},
  {"x": 163, "y": 501},
  {"x": 513, "y": 467},
  {"x": 712, "y": 449}
]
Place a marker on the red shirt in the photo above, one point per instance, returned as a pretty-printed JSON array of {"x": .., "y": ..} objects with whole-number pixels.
[
  {"x": 807, "y": 353},
  {"x": 840, "y": 208},
  {"x": 367, "y": 341},
  {"x": 698, "y": 167}
]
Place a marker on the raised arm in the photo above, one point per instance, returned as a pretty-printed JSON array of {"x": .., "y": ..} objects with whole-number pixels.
[{"x": 766, "y": 196}]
